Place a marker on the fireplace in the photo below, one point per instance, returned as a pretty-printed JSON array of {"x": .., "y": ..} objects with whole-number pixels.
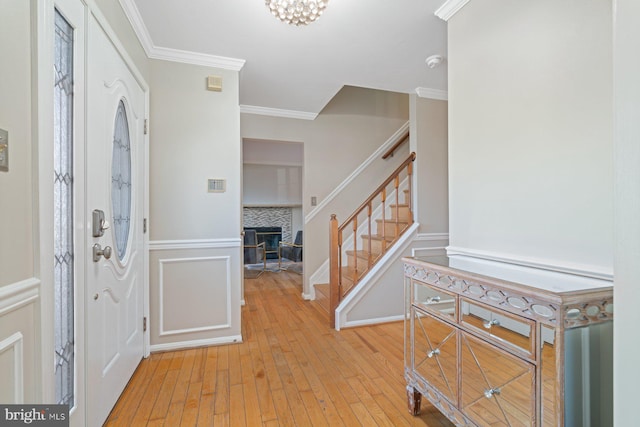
[{"x": 271, "y": 236}]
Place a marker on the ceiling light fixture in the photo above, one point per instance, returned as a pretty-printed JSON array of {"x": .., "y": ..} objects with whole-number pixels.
[{"x": 297, "y": 12}]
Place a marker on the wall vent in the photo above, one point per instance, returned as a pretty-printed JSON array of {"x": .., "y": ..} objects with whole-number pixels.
[{"x": 217, "y": 185}]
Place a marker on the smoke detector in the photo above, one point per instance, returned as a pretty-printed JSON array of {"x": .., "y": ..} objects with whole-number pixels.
[{"x": 434, "y": 60}]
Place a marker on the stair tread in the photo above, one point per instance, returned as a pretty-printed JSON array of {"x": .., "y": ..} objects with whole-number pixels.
[
  {"x": 361, "y": 253},
  {"x": 378, "y": 237},
  {"x": 393, "y": 221}
]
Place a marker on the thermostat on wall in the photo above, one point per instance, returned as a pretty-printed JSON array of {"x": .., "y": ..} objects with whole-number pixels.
[{"x": 217, "y": 185}]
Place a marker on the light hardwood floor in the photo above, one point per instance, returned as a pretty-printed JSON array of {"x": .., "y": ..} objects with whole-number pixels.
[{"x": 291, "y": 370}]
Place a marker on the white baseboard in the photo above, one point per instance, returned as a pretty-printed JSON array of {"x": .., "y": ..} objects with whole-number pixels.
[
  {"x": 182, "y": 345},
  {"x": 376, "y": 321}
]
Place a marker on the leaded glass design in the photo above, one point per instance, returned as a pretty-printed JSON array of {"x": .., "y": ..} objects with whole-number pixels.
[
  {"x": 121, "y": 180},
  {"x": 63, "y": 212}
]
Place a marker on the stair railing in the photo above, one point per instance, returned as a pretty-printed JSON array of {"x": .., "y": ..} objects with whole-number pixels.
[{"x": 343, "y": 277}]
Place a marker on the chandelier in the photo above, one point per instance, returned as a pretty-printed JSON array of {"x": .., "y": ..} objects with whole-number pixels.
[{"x": 297, "y": 12}]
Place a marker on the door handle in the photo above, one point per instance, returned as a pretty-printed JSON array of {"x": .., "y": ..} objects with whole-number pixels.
[
  {"x": 98, "y": 223},
  {"x": 99, "y": 252}
]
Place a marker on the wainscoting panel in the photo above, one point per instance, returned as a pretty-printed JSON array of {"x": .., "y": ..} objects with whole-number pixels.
[
  {"x": 19, "y": 330},
  {"x": 193, "y": 283},
  {"x": 195, "y": 293},
  {"x": 12, "y": 369}
]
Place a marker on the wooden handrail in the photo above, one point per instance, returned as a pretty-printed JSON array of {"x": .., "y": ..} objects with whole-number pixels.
[
  {"x": 354, "y": 273},
  {"x": 399, "y": 142},
  {"x": 378, "y": 190}
]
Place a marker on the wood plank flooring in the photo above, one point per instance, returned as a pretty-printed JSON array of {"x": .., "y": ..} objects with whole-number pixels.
[{"x": 291, "y": 370}]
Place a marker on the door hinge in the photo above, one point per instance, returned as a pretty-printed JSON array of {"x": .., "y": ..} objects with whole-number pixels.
[
  {"x": 144, "y": 324},
  {"x": 144, "y": 225},
  {"x": 146, "y": 126}
]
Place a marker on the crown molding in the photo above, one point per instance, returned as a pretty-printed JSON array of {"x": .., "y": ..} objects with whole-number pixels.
[
  {"x": 450, "y": 8},
  {"x": 174, "y": 55},
  {"x": 195, "y": 58},
  {"x": 425, "y": 92},
  {"x": 132, "y": 13},
  {"x": 276, "y": 112}
]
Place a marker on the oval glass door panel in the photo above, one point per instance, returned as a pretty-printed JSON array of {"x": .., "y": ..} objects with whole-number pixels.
[{"x": 121, "y": 181}]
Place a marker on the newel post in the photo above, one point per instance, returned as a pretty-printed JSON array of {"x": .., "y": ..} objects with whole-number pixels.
[{"x": 334, "y": 269}]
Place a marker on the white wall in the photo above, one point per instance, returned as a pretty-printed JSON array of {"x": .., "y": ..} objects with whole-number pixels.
[
  {"x": 16, "y": 194},
  {"x": 195, "y": 277},
  {"x": 626, "y": 67},
  {"x": 429, "y": 140},
  {"x": 271, "y": 185},
  {"x": 19, "y": 289},
  {"x": 530, "y": 132}
]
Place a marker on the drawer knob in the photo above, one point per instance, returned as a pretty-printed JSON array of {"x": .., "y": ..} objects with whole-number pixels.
[
  {"x": 433, "y": 353},
  {"x": 431, "y": 300},
  {"x": 489, "y": 323},
  {"x": 489, "y": 393}
]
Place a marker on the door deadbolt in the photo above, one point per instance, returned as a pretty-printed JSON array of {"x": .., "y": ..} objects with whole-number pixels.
[
  {"x": 99, "y": 252},
  {"x": 98, "y": 223}
]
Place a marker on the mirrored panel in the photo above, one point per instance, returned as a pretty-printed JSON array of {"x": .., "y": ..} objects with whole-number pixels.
[
  {"x": 514, "y": 331},
  {"x": 549, "y": 402},
  {"x": 435, "y": 300}
]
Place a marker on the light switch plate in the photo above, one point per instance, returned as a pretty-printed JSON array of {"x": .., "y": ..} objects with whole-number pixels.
[{"x": 4, "y": 150}]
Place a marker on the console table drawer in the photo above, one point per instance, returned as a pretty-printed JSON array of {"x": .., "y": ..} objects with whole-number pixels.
[
  {"x": 434, "y": 300},
  {"x": 514, "y": 332},
  {"x": 497, "y": 387}
]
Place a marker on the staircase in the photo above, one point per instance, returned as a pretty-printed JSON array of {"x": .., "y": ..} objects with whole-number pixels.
[{"x": 359, "y": 243}]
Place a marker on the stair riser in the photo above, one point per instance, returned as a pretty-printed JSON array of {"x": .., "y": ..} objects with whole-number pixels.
[
  {"x": 390, "y": 228},
  {"x": 403, "y": 213},
  {"x": 376, "y": 245},
  {"x": 362, "y": 262}
]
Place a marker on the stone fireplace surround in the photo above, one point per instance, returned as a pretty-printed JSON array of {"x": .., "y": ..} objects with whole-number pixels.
[{"x": 265, "y": 216}]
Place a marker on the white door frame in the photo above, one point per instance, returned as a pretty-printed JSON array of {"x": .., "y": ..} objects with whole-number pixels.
[{"x": 42, "y": 128}]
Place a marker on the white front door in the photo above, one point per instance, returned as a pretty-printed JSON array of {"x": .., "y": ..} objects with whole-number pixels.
[{"x": 115, "y": 187}]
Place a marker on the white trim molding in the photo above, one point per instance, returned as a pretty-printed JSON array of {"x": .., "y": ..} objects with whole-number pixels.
[
  {"x": 16, "y": 342},
  {"x": 277, "y": 112},
  {"x": 196, "y": 58},
  {"x": 376, "y": 321},
  {"x": 226, "y": 325},
  {"x": 18, "y": 294},
  {"x": 535, "y": 263},
  {"x": 376, "y": 154},
  {"x": 234, "y": 339},
  {"x": 430, "y": 237},
  {"x": 450, "y": 8},
  {"x": 425, "y": 92},
  {"x": 174, "y": 55},
  {"x": 166, "y": 245}
]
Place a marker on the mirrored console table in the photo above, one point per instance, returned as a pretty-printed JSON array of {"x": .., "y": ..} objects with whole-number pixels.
[{"x": 489, "y": 352}]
